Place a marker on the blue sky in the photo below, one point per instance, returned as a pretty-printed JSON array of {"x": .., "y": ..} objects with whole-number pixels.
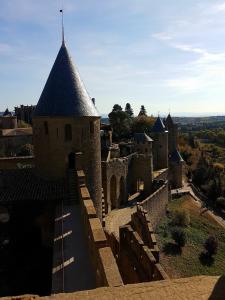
[{"x": 165, "y": 54}]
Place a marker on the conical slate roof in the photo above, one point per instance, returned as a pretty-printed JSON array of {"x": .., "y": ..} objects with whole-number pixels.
[
  {"x": 158, "y": 126},
  {"x": 169, "y": 121},
  {"x": 176, "y": 156},
  {"x": 142, "y": 137},
  {"x": 64, "y": 93},
  {"x": 7, "y": 113}
]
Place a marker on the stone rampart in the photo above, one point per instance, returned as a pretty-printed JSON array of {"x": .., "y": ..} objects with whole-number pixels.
[
  {"x": 136, "y": 250},
  {"x": 10, "y": 163},
  {"x": 136, "y": 260},
  {"x": 156, "y": 203},
  {"x": 107, "y": 273},
  {"x": 141, "y": 223}
]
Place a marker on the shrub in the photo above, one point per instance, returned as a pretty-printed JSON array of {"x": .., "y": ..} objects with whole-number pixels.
[
  {"x": 179, "y": 236},
  {"x": 211, "y": 245},
  {"x": 220, "y": 202},
  {"x": 181, "y": 218}
]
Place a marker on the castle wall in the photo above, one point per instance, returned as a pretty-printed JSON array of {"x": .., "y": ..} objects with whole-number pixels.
[
  {"x": 8, "y": 163},
  {"x": 8, "y": 122},
  {"x": 107, "y": 273},
  {"x": 117, "y": 169},
  {"x": 156, "y": 204},
  {"x": 136, "y": 261},
  {"x": 52, "y": 149},
  {"x": 140, "y": 168},
  {"x": 136, "y": 250}
]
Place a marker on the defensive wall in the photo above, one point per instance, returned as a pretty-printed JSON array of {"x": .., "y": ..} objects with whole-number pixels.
[
  {"x": 107, "y": 273},
  {"x": 114, "y": 182},
  {"x": 160, "y": 174},
  {"x": 136, "y": 250},
  {"x": 156, "y": 204},
  {"x": 120, "y": 177},
  {"x": 9, "y": 163}
]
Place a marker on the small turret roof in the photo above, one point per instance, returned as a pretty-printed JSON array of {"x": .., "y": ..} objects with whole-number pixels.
[
  {"x": 7, "y": 113},
  {"x": 158, "y": 126},
  {"x": 176, "y": 156},
  {"x": 169, "y": 121},
  {"x": 64, "y": 93},
  {"x": 142, "y": 137}
]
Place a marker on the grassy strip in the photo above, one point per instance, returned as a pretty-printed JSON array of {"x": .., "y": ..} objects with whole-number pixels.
[{"x": 190, "y": 261}]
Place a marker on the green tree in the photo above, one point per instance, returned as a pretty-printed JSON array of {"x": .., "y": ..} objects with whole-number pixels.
[
  {"x": 179, "y": 236},
  {"x": 211, "y": 245},
  {"x": 120, "y": 122},
  {"x": 116, "y": 108},
  {"x": 129, "y": 110},
  {"x": 143, "y": 111},
  {"x": 142, "y": 124}
]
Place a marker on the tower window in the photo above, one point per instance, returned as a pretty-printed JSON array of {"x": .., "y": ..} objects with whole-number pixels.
[
  {"x": 92, "y": 127},
  {"x": 46, "y": 128},
  {"x": 68, "y": 132}
]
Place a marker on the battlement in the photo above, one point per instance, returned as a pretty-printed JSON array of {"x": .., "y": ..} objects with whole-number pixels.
[
  {"x": 155, "y": 204},
  {"x": 137, "y": 262},
  {"x": 107, "y": 273}
]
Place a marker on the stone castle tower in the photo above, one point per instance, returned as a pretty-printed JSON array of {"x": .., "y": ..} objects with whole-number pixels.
[
  {"x": 176, "y": 162},
  {"x": 65, "y": 122},
  {"x": 160, "y": 145}
]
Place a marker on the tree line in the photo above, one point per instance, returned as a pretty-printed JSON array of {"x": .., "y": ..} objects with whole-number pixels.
[{"x": 125, "y": 124}]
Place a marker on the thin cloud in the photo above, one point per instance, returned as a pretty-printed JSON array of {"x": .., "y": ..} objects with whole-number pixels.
[
  {"x": 162, "y": 36},
  {"x": 219, "y": 7}
]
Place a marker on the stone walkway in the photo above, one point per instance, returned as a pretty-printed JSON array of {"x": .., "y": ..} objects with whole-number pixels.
[
  {"x": 72, "y": 269},
  {"x": 117, "y": 218}
]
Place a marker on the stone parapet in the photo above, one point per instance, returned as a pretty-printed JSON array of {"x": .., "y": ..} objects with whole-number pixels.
[{"x": 104, "y": 263}]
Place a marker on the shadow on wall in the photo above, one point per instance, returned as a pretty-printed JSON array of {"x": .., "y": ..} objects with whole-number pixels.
[{"x": 218, "y": 292}]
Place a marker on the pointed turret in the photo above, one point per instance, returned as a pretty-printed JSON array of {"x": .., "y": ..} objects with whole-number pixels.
[
  {"x": 64, "y": 93},
  {"x": 7, "y": 113},
  {"x": 169, "y": 122},
  {"x": 158, "y": 126},
  {"x": 66, "y": 122},
  {"x": 160, "y": 145}
]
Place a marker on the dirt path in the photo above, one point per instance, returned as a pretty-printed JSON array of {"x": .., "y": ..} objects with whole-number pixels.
[{"x": 203, "y": 210}]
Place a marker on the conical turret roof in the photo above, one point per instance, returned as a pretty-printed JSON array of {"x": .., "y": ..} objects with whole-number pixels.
[
  {"x": 64, "y": 93},
  {"x": 176, "y": 156},
  {"x": 169, "y": 121},
  {"x": 158, "y": 126}
]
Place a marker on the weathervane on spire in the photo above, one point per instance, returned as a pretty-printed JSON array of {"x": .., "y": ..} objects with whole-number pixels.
[{"x": 63, "y": 37}]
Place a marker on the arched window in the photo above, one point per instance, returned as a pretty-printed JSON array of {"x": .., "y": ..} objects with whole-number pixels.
[
  {"x": 46, "y": 127},
  {"x": 68, "y": 132}
]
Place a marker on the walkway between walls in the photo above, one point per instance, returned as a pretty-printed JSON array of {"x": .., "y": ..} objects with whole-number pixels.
[{"x": 72, "y": 269}]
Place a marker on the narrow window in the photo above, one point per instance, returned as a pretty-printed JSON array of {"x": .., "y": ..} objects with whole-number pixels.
[
  {"x": 68, "y": 132},
  {"x": 92, "y": 127},
  {"x": 46, "y": 128},
  {"x": 57, "y": 132}
]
